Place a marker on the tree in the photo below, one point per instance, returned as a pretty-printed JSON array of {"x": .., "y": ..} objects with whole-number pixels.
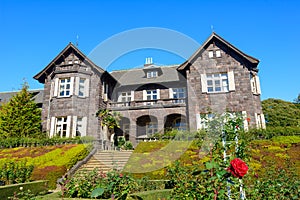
[
  {"x": 297, "y": 100},
  {"x": 109, "y": 119},
  {"x": 281, "y": 113},
  {"x": 20, "y": 117}
]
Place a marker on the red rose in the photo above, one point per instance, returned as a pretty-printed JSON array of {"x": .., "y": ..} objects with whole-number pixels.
[
  {"x": 238, "y": 168},
  {"x": 121, "y": 175}
]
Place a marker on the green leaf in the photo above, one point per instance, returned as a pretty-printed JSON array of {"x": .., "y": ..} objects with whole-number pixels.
[{"x": 97, "y": 192}]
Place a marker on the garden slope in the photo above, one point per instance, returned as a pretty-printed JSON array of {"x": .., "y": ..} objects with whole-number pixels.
[
  {"x": 152, "y": 158},
  {"x": 50, "y": 162}
]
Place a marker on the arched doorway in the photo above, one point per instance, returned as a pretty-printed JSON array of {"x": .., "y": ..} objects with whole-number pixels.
[
  {"x": 146, "y": 126},
  {"x": 175, "y": 121}
]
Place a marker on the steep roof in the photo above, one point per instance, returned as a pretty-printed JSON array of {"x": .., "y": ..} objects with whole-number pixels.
[
  {"x": 37, "y": 96},
  {"x": 219, "y": 38},
  {"x": 69, "y": 48},
  {"x": 138, "y": 76}
]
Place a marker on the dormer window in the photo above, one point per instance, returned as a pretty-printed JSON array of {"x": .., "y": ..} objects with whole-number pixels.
[
  {"x": 152, "y": 74},
  {"x": 218, "y": 53},
  {"x": 214, "y": 53}
]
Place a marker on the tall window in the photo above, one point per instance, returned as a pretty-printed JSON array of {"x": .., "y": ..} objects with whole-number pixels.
[
  {"x": 61, "y": 126},
  {"x": 79, "y": 126},
  {"x": 64, "y": 87},
  {"x": 151, "y": 74},
  {"x": 81, "y": 87},
  {"x": 151, "y": 128},
  {"x": 217, "y": 82},
  {"x": 179, "y": 95}
]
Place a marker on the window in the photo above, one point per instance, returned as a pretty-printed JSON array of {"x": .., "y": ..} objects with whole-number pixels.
[
  {"x": 179, "y": 95},
  {"x": 151, "y": 74},
  {"x": 151, "y": 128},
  {"x": 81, "y": 87},
  {"x": 152, "y": 94},
  {"x": 217, "y": 82},
  {"x": 79, "y": 127},
  {"x": 179, "y": 124},
  {"x": 65, "y": 87},
  {"x": 126, "y": 128},
  {"x": 61, "y": 126},
  {"x": 218, "y": 53},
  {"x": 211, "y": 54},
  {"x": 125, "y": 97},
  {"x": 255, "y": 85}
]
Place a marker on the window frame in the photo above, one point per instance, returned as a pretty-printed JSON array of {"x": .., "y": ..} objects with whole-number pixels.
[
  {"x": 217, "y": 82},
  {"x": 152, "y": 74},
  {"x": 151, "y": 128},
  {"x": 175, "y": 92},
  {"x": 61, "y": 123},
  {"x": 63, "y": 87}
]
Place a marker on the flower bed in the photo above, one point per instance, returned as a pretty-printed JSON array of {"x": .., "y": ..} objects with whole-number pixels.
[{"x": 50, "y": 162}]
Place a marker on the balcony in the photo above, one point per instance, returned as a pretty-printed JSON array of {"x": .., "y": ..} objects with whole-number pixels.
[{"x": 147, "y": 104}]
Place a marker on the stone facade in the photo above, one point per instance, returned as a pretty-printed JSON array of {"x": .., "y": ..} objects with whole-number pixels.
[{"x": 217, "y": 78}]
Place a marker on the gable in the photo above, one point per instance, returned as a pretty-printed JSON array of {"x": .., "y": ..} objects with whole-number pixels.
[
  {"x": 208, "y": 51},
  {"x": 68, "y": 56}
]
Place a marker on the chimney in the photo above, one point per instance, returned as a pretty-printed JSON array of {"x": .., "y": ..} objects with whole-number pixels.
[{"x": 148, "y": 62}]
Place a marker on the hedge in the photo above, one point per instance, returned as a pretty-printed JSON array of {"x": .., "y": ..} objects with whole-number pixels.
[
  {"x": 36, "y": 187},
  {"x": 152, "y": 194}
]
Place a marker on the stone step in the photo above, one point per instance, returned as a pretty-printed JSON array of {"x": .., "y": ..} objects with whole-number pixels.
[{"x": 107, "y": 161}]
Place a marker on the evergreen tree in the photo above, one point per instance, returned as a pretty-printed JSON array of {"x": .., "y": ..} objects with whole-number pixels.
[{"x": 20, "y": 117}]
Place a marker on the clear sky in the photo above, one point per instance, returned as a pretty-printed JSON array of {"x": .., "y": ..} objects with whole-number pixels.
[{"x": 33, "y": 32}]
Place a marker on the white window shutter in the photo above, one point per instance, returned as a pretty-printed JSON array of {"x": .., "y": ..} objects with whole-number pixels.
[
  {"x": 72, "y": 86},
  {"x": 103, "y": 86},
  {"x": 203, "y": 83},
  {"x": 198, "y": 121},
  {"x": 77, "y": 86},
  {"x": 263, "y": 121},
  {"x": 52, "y": 127},
  {"x": 74, "y": 126},
  {"x": 231, "y": 81},
  {"x": 56, "y": 85},
  {"x": 144, "y": 94},
  {"x": 68, "y": 126},
  {"x": 158, "y": 93},
  {"x": 171, "y": 96},
  {"x": 86, "y": 87},
  {"x": 245, "y": 122},
  {"x": 84, "y": 126},
  {"x": 257, "y": 83},
  {"x": 132, "y": 95},
  {"x": 256, "y": 120},
  {"x": 119, "y": 96},
  {"x": 52, "y": 85}
]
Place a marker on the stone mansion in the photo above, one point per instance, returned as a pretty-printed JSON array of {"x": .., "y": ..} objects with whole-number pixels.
[{"x": 218, "y": 77}]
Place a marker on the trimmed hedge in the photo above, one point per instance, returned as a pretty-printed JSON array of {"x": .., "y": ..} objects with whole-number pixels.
[
  {"x": 36, "y": 187},
  {"x": 150, "y": 195},
  {"x": 34, "y": 142}
]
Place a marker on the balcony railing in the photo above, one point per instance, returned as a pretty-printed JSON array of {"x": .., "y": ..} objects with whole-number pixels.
[{"x": 179, "y": 102}]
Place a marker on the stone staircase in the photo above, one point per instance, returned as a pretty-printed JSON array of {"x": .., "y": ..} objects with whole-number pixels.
[{"x": 107, "y": 161}]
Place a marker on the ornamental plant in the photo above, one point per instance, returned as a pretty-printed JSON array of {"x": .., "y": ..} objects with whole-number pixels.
[{"x": 217, "y": 178}]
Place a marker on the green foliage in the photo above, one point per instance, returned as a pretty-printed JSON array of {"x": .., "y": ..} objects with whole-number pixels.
[
  {"x": 15, "y": 172},
  {"x": 109, "y": 118},
  {"x": 279, "y": 113},
  {"x": 20, "y": 117},
  {"x": 24, "y": 191},
  {"x": 33, "y": 142},
  {"x": 51, "y": 162},
  {"x": 150, "y": 195},
  {"x": 114, "y": 183},
  {"x": 123, "y": 144}
]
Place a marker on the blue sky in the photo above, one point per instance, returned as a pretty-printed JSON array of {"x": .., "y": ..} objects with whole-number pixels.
[{"x": 34, "y": 32}]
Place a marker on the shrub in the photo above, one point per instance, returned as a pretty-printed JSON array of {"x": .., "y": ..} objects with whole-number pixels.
[
  {"x": 15, "y": 172},
  {"x": 35, "y": 188}
]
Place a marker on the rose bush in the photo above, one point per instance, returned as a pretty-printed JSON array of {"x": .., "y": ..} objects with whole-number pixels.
[{"x": 238, "y": 168}]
